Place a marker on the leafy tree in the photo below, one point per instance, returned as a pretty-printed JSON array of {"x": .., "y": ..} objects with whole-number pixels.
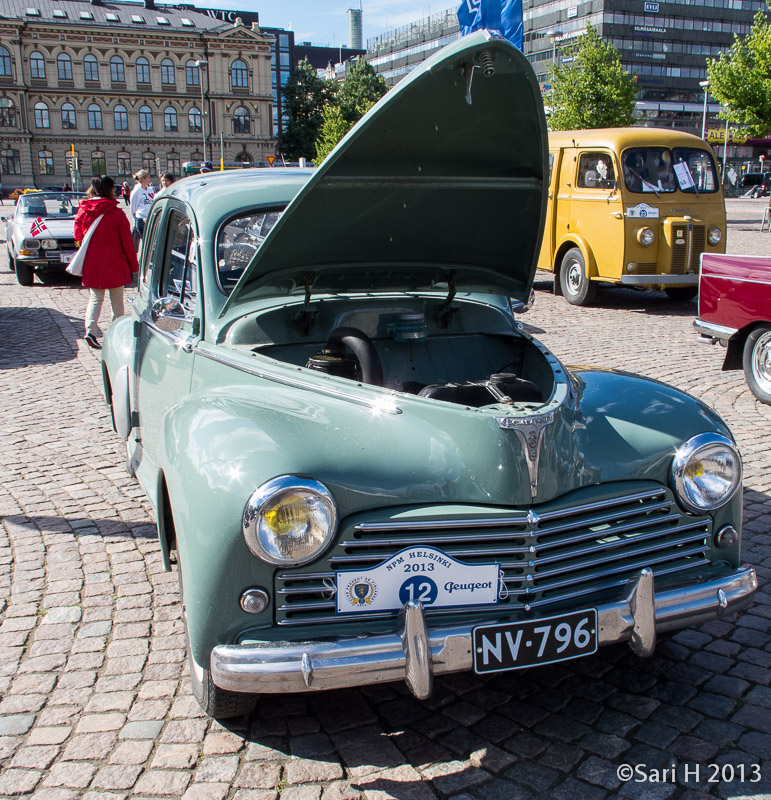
[
  {"x": 305, "y": 97},
  {"x": 332, "y": 131},
  {"x": 740, "y": 80},
  {"x": 592, "y": 90}
]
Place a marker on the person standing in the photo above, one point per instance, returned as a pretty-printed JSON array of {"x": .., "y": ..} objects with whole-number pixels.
[
  {"x": 111, "y": 259},
  {"x": 141, "y": 199},
  {"x": 125, "y": 192}
]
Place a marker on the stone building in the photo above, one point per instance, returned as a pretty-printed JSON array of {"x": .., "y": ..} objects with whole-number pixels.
[{"x": 111, "y": 87}]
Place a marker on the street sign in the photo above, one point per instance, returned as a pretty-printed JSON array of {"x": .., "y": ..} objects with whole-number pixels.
[{"x": 271, "y": 160}]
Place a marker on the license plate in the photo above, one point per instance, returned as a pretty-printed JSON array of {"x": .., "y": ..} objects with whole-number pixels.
[
  {"x": 516, "y": 645},
  {"x": 67, "y": 257}
]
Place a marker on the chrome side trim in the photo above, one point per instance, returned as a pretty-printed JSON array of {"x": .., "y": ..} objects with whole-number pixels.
[
  {"x": 265, "y": 667},
  {"x": 660, "y": 280},
  {"x": 206, "y": 351},
  {"x": 713, "y": 331}
]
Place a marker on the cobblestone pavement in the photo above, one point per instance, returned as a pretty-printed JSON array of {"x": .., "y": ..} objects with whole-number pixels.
[{"x": 95, "y": 699}]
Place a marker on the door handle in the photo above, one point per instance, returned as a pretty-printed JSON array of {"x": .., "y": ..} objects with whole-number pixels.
[{"x": 617, "y": 214}]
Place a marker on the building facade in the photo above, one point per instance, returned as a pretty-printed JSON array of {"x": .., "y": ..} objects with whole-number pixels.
[{"x": 88, "y": 88}]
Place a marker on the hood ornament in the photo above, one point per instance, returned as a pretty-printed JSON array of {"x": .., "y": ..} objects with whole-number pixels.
[{"x": 530, "y": 431}]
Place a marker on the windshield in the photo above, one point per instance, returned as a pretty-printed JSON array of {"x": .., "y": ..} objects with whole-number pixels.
[
  {"x": 661, "y": 170},
  {"x": 238, "y": 241},
  {"x": 51, "y": 205}
]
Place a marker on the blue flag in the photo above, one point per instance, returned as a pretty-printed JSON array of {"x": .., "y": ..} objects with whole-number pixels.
[{"x": 504, "y": 16}]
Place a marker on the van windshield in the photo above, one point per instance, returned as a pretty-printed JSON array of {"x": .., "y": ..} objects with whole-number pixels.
[{"x": 660, "y": 170}]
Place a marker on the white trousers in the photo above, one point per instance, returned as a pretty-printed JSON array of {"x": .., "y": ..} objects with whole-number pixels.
[{"x": 95, "y": 302}]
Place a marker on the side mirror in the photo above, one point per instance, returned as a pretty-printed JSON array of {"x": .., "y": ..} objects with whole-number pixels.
[{"x": 168, "y": 314}]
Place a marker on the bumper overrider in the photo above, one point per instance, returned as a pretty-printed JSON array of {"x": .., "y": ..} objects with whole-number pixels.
[{"x": 415, "y": 653}]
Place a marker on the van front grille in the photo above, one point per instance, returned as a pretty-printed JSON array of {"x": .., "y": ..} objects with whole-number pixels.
[{"x": 693, "y": 242}]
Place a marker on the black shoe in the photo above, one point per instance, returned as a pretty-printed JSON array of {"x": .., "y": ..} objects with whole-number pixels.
[{"x": 92, "y": 342}]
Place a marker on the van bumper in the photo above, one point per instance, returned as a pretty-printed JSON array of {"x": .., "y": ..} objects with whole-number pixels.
[{"x": 692, "y": 279}]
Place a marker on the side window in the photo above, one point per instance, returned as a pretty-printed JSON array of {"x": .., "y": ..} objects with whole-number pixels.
[
  {"x": 151, "y": 247},
  {"x": 551, "y": 168},
  {"x": 595, "y": 171},
  {"x": 179, "y": 276}
]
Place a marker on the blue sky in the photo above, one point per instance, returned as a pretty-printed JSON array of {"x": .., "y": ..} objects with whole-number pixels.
[{"x": 325, "y": 22}]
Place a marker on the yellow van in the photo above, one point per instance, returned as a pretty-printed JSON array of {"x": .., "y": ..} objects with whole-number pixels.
[{"x": 630, "y": 206}]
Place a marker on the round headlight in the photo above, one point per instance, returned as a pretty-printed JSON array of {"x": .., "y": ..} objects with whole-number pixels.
[
  {"x": 706, "y": 471},
  {"x": 645, "y": 236},
  {"x": 715, "y": 235},
  {"x": 289, "y": 520},
  {"x": 49, "y": 244},
  {"x": 31, "y": 244}
]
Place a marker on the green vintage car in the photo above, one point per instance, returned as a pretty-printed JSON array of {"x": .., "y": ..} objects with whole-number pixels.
[{"x": 362, "y": 465}]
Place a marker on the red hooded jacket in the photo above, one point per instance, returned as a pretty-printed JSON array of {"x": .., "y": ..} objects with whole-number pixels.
[{"x": 110, "y": 258}]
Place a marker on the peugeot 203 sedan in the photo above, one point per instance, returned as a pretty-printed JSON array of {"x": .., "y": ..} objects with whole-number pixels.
[
  {"x": 40, "y": 233},
  {"x": 363, "y": 466}
]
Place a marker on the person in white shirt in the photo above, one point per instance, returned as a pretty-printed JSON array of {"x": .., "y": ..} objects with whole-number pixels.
[{"x": 141, "y": 199}]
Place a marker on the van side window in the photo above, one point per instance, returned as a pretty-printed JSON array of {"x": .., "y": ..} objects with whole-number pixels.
[{"x": 595, "y": 171}]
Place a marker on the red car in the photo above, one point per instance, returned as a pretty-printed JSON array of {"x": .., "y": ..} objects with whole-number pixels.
[{"x": 735, "y": 310}]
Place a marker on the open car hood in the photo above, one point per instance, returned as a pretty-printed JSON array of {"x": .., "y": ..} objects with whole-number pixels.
[{"x": 440, "y": 187}]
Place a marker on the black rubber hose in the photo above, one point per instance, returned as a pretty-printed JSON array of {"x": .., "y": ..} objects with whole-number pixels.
[{"x": 361, "y": 346}]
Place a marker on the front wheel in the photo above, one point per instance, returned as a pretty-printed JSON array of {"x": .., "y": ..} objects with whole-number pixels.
[
  {"x": 11, "y": 262},
  {"x": 681, "y": 293},
  {"x": 25, "y": 275},
  {"x": 577, "y": 289},
  {"x": 757, "y": 363}
]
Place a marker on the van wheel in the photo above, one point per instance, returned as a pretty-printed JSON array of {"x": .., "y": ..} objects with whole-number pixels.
[
  {"x": 757, "y": 363},
  {"x": 681, "y": 293},
  {"x": 576, "y": 287}
]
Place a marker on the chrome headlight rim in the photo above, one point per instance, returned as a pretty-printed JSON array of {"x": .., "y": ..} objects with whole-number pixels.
[
  {"x": 268, "y": 493},
  {"x": 683, "y": 456},
  {"x": 646, "y": 236},
  {"x": 49, "y": 244},
  {"x": 715, "y": 236}
]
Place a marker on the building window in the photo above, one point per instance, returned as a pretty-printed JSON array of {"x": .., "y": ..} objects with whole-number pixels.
[
  {"x": 91, "y": 68},
  {"x": 98, "y": 163},
  {"x": 143, "y": 70},
  {"x": 170, "y": 119},
  {"x": 239, "y": 75},
  {"x": 194, "y": 120},
  {"x": 120, "y": 118},
  {"x": 117, "y": 70},
  {"x": 94, "y": 118},
  {"x": 124, "y": 164},
  {"x": 167, "y": 72},
  {"x": 69, "y": 121},
  {"x": 7, "y": 113},
  {"x": 242, "y": 121},
  {"x": 192, "y": 77},
  {"x": 10, "y": 163},
  {"x": 173, "y": 164},
  {"x": 5, "y": 72},
  {"x": 64, "y": 67},
  {"x": 45, "y": 160},
  {"x": 145, "y": 118},
  {"x": 42, "y": 119},
  {"x": 148, "y": 162},
  {"x": 37, "y": 66},
  {"x": 196, "y": 156}
]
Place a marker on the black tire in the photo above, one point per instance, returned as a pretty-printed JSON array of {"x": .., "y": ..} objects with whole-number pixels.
[
  {"x": 681, "y": 294},
  {"x": 757, "y": 363},
  {"x": 577, "y": 289},
  {"x": 25, "y": 275},
  {"x": 11, "y": 262}
]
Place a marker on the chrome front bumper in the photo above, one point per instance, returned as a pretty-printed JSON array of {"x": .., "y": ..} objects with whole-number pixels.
[
  {"x": 713, "y": 332},
  {"x": 415, "y": 653},
  {"x": 690, "y": 279}
]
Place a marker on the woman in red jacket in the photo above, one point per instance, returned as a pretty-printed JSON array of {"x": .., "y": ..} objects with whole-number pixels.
[{"x": 110, "y": 259}]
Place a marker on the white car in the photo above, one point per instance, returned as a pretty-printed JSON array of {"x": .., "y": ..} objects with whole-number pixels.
[{"x": 40, "y": 233}]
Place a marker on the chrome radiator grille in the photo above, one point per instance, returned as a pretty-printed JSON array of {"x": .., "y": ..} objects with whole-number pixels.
[{"x": 550, "y": 556}]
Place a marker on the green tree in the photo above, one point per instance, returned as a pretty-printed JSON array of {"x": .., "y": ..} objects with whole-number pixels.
[
  {"x": 592, "y": 90},
  {"x": 333, "y": 128},
  {"x": 305, "y": 97},
  {"x": 740, "y": 80}
]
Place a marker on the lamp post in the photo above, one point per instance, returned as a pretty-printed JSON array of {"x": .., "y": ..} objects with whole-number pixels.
[
  {"x": 553, "y": 36},
  {"x": 704, "y": 85},
  {"x": 200, "y": 64}
]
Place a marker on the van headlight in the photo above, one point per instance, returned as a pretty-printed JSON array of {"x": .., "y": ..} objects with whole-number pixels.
[
  {"x": 706, "y": 471},
  {"x": 715, "y": 235},
  {"x": 645, "y": 236},
  {"x": 289, "y": 520}
]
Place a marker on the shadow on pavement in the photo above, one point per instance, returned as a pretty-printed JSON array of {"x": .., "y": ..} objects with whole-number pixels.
[{"x": 33, "y": 336}]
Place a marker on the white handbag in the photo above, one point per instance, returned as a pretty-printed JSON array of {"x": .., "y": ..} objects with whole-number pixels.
[{"x": 75, "y": 267}]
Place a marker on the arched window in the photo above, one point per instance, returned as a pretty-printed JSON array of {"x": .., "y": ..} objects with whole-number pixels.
[
  {"x": 239, "y": 75},
  {"x": 244, "y": 157},
  {"x": 117, "y": 70},
  {"x": 145, "y": 118},
  {"x": 167, "y": 71},
  {"x": 173, "y": 164},
  {"x": 10, "y": 163},
  {"x": 5, "y": 67},
  {"x": 45, "y": 160},
  {"x": 194, "y": 120},
  {"x": 124, "y": 164},
  {"x": 120, "y": 118},
  {"x": 64, "y": 67},
  {"x": 143, "y": 70},
  {"x": 242, "y": 121},
  {"x": 192, "y": 76},
  {"x": 98, "y": 163},
  {"x": 170, "y": 119},
  {"x": 37, "y": 66},
  {"x": 42, "y": 119},
  {"x": 7, "y": 113},
  {"x": 196, "y": 156},
  {"x": 91, "y": 68},
  {"x": 69, "y": 120},
  {"x": 94, "y": 117}
]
